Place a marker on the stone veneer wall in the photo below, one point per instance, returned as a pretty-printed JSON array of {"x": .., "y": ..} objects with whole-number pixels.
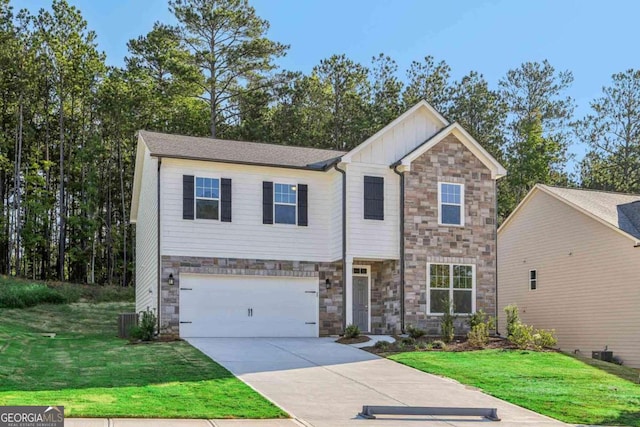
[
  {"x": 330, "y": 300},
  {"x": 385, "y": 296},
  {"x": 426, "y": 241}
]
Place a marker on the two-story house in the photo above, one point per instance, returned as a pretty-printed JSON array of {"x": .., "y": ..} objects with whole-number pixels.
[{"x": 242, "y": 239}]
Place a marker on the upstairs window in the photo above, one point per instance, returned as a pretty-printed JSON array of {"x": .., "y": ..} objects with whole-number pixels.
[
  {"x": 207, "y": 198},
  {"x": 533, "y": 280},
  {"x": 285, "y": 200},
  {"x": 374, "y": 197},
  {"x": 451, "y": 204}
]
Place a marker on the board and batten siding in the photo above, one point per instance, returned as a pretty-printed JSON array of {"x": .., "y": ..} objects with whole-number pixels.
[
  {"x": 246, "y": 236},
  {"x": 147, "y": 234},
  {"x": 588, "y": 278},
  {"x": 370, "y": 238},
  {"x": 398, "y": 141}
]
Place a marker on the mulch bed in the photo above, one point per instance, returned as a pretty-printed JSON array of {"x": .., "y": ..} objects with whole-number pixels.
[
  {"x": 356, "y": 340},
  {"x": 402, "y": 345}
]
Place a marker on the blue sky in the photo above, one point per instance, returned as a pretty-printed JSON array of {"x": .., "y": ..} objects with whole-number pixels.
[{"x": 593, "y": 39}]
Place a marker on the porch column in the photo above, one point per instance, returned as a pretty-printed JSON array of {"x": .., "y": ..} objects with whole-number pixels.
[{"x": 348, "y": 287}]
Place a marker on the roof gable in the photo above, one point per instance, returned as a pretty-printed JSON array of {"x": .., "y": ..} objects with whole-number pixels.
[
  {"x": 497, "y": 170},
  {"x": 420, "y": 107},
  {"x": 617, "y": 211}
]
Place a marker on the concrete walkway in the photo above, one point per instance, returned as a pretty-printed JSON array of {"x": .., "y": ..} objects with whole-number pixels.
[{"x": 324, "y": 384}]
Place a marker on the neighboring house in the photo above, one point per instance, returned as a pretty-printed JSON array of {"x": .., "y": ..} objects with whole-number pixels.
[
  {"x": 570, "y": 260},
  {"x": 245, "y": 239}
]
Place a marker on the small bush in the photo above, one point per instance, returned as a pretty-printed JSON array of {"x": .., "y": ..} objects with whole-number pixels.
[
  {"x": 543, "y": 338},
  {"x": 352, "y": 331},
  {"x": 408, "y": 341},
  {"x": 447, "y": 328},
  {"x": 415, "y": 333},
  {"x": 421, "y": 345},
  {"x": 513, "y": 318},
  {"x": 521, "y": 335},
  {"x": 146, "y": 328},
  {"x": 382, "y": 345},
  {"x": 478, "y": 336},
  {"x": 439, "y": 345}
]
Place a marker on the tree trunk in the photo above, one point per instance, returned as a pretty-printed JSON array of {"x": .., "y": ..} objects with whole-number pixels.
[
  {"x": 63, "y": 204},
  {"x": 17, "y": 185}
]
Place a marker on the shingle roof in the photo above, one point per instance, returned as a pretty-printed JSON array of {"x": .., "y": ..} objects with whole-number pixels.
[
  {"x": 200, "y": 148},
  {"x": 618, "y": 209}
]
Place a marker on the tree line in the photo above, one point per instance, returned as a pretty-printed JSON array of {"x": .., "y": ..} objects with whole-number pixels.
[{"x": 68, "y": 121}]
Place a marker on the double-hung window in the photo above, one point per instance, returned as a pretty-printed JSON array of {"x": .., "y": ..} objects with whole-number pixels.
[
  {"x": 533, "y": 280},
  {"x": 284, "y": 203},
  {"x": 207, "y": 198},
  {"x": 451, "y": 204},
  {"x": 450, "y": 288}
]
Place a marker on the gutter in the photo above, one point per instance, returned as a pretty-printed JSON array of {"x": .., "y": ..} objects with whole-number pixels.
[
  {"x": 344, "y": 244},
  {"x": 159, "y": 274},
  {"x": 401, "y": 175}
]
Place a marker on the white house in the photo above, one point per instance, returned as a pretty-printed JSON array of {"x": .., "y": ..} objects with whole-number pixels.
[
  {"x": 570, "y": 260},
  {"x": 246, "y": 239}
]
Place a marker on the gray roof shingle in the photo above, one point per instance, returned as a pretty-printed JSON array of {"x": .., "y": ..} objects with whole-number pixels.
[
  {"x": 201, "y": 148},
  {"x": 618, "y": 209}
]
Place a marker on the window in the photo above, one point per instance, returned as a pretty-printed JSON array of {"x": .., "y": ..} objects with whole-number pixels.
[
  {"x": 451, "y": 288},
  {"x": 451, "y": 201},
  {"x": 284, "y": 203},
  {"x": 374, "y": 197},
  {"x": 533, "y": 280},
  {"x": 207, "y": 198}
]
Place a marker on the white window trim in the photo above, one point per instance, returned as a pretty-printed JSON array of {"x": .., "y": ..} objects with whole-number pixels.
[
  {"x": 533, "y": 280},
  {"x": 462, "y": 210},
  {"x": 195, "y": 197},
  {"x": 451, "y": 288},
  {"x": 368, "y": 276},
  {"x": 295, "y": 217}
]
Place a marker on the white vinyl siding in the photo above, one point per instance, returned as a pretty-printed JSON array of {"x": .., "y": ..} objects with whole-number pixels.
[
  {"x": 400, "y": 140},
  {"x": 147, "y": 235},
  {"x": 590, "y": 294},
  {"x": 367, "y": 238},
  {"x": 246, "y": 236}
]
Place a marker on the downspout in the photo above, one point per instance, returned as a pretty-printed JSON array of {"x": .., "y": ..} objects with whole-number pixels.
[
  {"x": 158, "y": 257},
  {"x": 401, "y": 175},
  {"x": 497, "y": 307},
  {"x": 344, "y": 244}
]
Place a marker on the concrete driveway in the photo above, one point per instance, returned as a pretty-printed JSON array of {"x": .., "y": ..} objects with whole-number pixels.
[{"x": 323, "y": 383}]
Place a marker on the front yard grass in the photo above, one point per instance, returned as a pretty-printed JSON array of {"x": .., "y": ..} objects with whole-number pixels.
[
  {"x": 553, "y": 384},
  {"x": 93, "y": 373}
]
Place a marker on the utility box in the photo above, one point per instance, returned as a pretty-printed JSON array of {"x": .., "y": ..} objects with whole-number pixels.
[
  {"x": 126, "y": 321},
  {"x": 605, "y": 356}
]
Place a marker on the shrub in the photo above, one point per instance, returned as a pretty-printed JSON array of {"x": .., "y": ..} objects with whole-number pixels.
[
  {"x": 22, "y": 295},
  {"x": 352, "y": 331},
  {"x": 478, "y": 336},
  {"x": 513, "y": 318},
  {"x": 415, "y": 333},
  {"x": 543, "y": 338},
  {"x": 408, "y": 341},
  {"x": 382, "y": 345},
  {"x": 146, "y": 328},
  {"x": 421, "y": 345},
  {"x": 439, "y": 345},
  {"x": 447, "y": 328},
  {"x": 521, "y": 335}
]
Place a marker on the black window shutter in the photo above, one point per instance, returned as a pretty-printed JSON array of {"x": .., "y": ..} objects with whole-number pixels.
[
  {"x": 373, "y": 197},
  {"x": 187, "y": 197},
  {"x": 303, "y": 210},
  {"x": 225, "y": 200},
  {"x": 267, "y": 202}
]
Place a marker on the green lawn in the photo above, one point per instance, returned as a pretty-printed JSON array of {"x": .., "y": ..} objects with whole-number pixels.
[
  {"x": 553, "y": 384},
  {"x": 92, "y": 373}
]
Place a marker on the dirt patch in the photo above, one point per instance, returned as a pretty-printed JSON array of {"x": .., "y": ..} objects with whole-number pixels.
[{"x": 356, "y": 340}]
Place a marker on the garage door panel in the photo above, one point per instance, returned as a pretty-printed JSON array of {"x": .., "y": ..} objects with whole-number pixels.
[{"x": 240, "y": 306}]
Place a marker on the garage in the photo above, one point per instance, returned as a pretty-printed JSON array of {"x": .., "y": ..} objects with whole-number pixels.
[{"x": 248, "y": 306}]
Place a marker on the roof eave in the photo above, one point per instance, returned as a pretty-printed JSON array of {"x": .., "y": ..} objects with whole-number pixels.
[{"x": 324, "y": 168}]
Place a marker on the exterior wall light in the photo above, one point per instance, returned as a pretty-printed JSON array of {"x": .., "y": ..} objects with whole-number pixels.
[
  {"x": 327, "y": 283},
  {"x": 171, "y": 282}
]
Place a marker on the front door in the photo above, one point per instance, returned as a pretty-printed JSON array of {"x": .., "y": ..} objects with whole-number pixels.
[{"x": 361, "y": 302}]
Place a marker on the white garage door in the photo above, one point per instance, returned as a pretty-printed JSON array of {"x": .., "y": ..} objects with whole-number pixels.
[{"x": 248, "y": 306}]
